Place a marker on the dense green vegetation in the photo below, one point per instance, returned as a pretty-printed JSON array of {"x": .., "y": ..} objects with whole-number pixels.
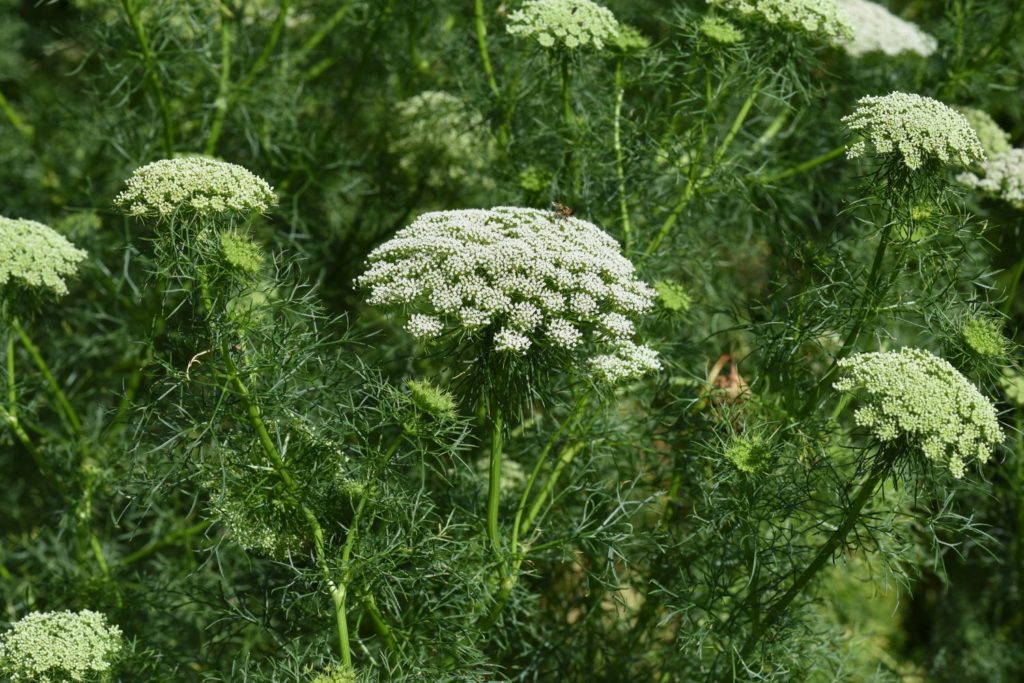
[{"x": 730, "y": 391}]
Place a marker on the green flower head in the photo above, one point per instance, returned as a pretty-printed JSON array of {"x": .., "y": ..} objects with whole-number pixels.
[
  {"x": 566, "y": 23},
  {"x": 985, "y": 336},
  {"x": 194, "y": 185},
  {"x": 672, "y": 296},
  {"x": 35, "y": 255},
  {"x": 918, "y": 396},
  {"x": 239, "y": 251},
  {"x": 430, "y": 399},
  {"x": 750, "y": 454},
  {"x": 53, "y": 647},
  {"x": 721, "y": 30},
  {"x": 916, "y": 128}
]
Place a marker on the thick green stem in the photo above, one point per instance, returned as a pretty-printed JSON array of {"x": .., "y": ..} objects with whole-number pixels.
[
  {"x": 572, "y": 160},
  {"x": 481, "y": 41},
  {"x": 223, "y": 86},
  {"x": 27, "y": 131},
  {"x": 9, "y": 415},
  {"x": 620, "y": 172},
  {"x": 68, "y": 413},
  {"x": 325, "y": 30},
  {"x": 824, "y": 555},
  {"x": 165, "y": 542},
  {"x": 1011, "y": 290},
  {"x": 694, "y": 182},
  {"x": 155, "y": 84},
  {"x": 494, "y": 485},
  {"x": 803, "y": 167}
]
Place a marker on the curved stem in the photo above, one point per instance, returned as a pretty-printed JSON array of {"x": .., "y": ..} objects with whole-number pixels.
[
  {"x": 9, "y": 415},
  {"x": 164, "y": 542},
  {"x": 694, "y": 183},
  {"x": 68, "y": 413},
  {"x": 151, "y": 75},
  {"x": 323, "y": 32},
  {"x": 494, "y": 485},
  {"x": 223, "y": 86},
  {"x": 481, "y": 41},
  {"x": 1011, "y": 291},
  {"x": 620, "y": 172},
  {"x": 804, "y": 166},
  {"x": 26, "y": 130},
  {"x": 569, "y": 116},
  {"x": 824, "y": 554}
]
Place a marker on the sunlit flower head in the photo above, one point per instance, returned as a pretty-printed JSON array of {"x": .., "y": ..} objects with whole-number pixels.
[
  {"x": 52, "y": 647},
  {"x": 876, "y": 29},
  {"x": 916, "y": 128},
  {"x": 516, "y": 279},
  {"x": 564, "y": 23},
  {"x": 817, "y": 18},
  {"x": 194, "y": 185},
  {"x": 918, "y": 396},
  {"x": 35, "y": 255},
  {"x": 993, "y": 138}
]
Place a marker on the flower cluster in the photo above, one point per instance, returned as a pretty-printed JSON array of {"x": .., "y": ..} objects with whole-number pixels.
[
  {"x": 517, "y": 277},
  {"x": 915, "y": 394},
  {"x": 985, "y": 336},
  {"x": 36, "y": 255},
  {"x": 819, "y": 18},
  {"x": 573, "y": 23},
  {"x": 720, "y": 30},
  {"x": 442, "y": 142},
  {"x": 750, "y": 454},
  {"x": 994, "y": 140},
  {"x": 876, "y": 29},
  {"x": 1001, "y": 176},
  {"x": 917, "y": 128},
  {"x": 47, "y": 647},
  {"x": 196, "y": 185}
]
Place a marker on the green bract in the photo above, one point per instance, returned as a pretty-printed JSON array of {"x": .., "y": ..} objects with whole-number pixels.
[
  {"x": 916, "y": 128},
  {"x": 35, "y": 255},
  {"x": 819, "y": 18},
  {"x": 720, "y": 30},
  {"x": 916, "y": 395},
  {"x": 430, "y": 399},
  {"x": 53, "y": 647},
  {"x": 194, "y": 185},
  {"x": 571, "y": 23}
]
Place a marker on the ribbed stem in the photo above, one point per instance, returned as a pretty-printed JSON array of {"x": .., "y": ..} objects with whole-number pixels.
[
  {"x": 620, "y": 172},
  {"x": 481, "y": 41}
]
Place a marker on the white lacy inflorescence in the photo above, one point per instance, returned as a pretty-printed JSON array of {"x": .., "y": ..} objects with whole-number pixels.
[
  {"x": 876, "y": 29},
  {"x": 36, "y": 255},
  {"x": 1001, "y": 176},
  {"x": 917, "y": 128},
  {"x": 529, "y": 276},
  {"x": 820, "y": 18},
  {"x": 573, "y": 23},
  {"x": 50, "y": 647},
  {"x": 994, "y": 140},
  {"x": 195, "y": 184},
  {"x": 914, "y": 394}
]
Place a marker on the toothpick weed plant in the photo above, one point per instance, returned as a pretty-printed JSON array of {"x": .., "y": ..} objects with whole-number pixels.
[{"x": 530, "y": 341}]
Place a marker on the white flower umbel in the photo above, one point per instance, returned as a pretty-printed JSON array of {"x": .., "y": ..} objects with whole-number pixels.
[
  {"x": 569, "y": 23},
  {"x": 914, "y": 394},
  {"x": 819, "y": 18},
  {"x": 35, "y": 255},
  {"x": 876, "y": 29},
  {"x": 196, "y": 185},
  {"x": 47, "y": 647},
  {"x": 442, "y": 141},
  {"x": 519, "y": 278},
  {"x": 1001, "y": 176},
  {"x": 915, "y": 127}
]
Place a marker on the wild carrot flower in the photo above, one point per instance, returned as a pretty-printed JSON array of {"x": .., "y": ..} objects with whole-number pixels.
[
  {"x": 514, "y": 278},
  {"x": 916, "y": 395},
  {"x": 915, "y": 127},
  {"x": 47, "y": 647},
  {"x": 985, "y": 336},
  {"x": 720, "y": 30},
  {"x": 876, "y": 29},
  {"x": 818, "y": 18},
  {"x": 195, "y": 185},
  {"x": 36, "y": 255},
  {"x": 1001, "y": 176},
  {"x": 572, "y": 23}
]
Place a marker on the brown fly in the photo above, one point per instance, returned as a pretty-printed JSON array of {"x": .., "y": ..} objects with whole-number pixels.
[{"x": 561, "y": 209}]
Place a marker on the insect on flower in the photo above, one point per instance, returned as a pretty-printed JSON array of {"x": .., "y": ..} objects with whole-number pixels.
[{"x": 561, "y": 209}]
